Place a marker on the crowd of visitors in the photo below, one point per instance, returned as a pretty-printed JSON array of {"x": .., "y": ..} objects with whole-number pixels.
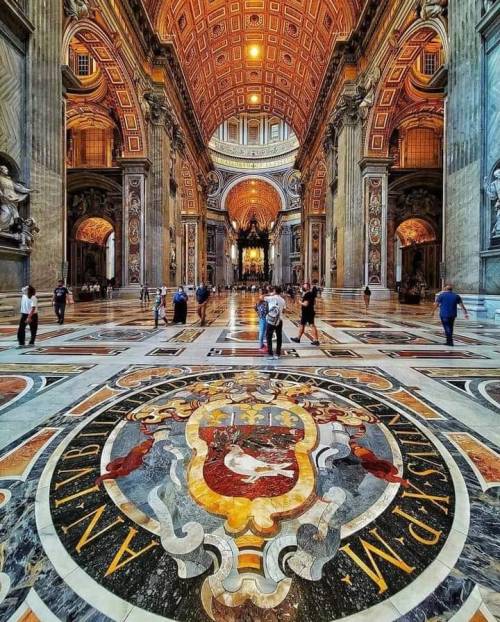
[{"x": 270, "y": 308}]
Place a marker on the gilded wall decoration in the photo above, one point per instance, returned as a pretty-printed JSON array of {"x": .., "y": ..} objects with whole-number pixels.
[
  {"x": 134, "y": 210},
  {"x": 373, "y": 194}
]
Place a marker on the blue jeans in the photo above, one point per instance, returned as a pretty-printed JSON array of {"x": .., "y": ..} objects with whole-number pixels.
[
  {"x": 448, "y": 323},
  {"x": 262, "y": 331}
]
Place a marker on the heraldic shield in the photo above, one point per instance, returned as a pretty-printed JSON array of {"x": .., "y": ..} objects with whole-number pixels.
[{"x": 252, "y": 466}]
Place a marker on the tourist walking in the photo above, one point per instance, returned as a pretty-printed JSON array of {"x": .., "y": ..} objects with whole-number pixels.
[
  {"x": 202, "y": 296},
  {"x": 157, "y": 305},
  {"x": 274, "y": 322},
  {"x": 29, "y": 316},
  {"x": 367, "y": 293},
  {"x": 144, "y": 293},
  {"x": 261, "y": 307},
  {"x": 180, "y": 306},
  {"x": 448, "y": 302},
  {"x": 308, "y": 314},
  {"x": 59, "y": 300}
]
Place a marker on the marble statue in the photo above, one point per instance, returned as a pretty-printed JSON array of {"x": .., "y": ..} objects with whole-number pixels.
[
  {"x": 370, "y": 84},
  {"x": 11, "y": 194},
  {"x": 431, "y": 9},
  {"x": 28, "y": 232},
  {"x": 79, "y": 9},
  {"x": 493, "y": 191}
]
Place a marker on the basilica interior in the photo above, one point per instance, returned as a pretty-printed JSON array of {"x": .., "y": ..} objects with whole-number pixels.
[{"x": 345, "y": 151}]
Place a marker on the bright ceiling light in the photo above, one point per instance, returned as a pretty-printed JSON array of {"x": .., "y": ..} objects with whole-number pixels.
[
  {"x": 254, "y": 52},
  {"x": 254, "y": 99}
]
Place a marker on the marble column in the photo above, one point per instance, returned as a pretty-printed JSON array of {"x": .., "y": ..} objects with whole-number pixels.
[
  {"x": 375, "y": 205},
  {"x": 285, "y": 252},
  {"x": 157, "y": 233},
  {"x": 330, "y": 146},
  {"x": 134, "y": 221},
  {"x": 347, "y": 215},
  {"x": 220, "y": 238},
  {"x": 44, "y": 127}
]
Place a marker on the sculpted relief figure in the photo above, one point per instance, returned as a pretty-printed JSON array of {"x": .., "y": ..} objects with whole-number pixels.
[
  {"x": 492, "y": 189},
  {"x": 79, "y": 9},
  {"x": 432, "y": 8},
  {"x": 370, "y": 84},
  {"x": 11, "y": 194}
]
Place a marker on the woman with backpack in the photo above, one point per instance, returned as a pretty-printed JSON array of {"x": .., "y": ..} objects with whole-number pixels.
[
  {"x": 261, "y": 308},
  {"x": 274, "y": 320}
]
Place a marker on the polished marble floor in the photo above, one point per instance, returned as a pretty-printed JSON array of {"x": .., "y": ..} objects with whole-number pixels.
[{"x": 178, "y": 474}]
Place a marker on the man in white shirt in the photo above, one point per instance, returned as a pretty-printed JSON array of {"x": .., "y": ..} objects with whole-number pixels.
[{"x": 276, "y": 307}]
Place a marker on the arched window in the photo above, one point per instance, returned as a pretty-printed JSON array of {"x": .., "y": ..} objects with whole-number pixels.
[
  {"x": 421, "y": 148},
  {"x": 253, "y": 132}
]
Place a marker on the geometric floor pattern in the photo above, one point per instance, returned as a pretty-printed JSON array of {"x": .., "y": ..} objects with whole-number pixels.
[{"x": 176, "y": 474}]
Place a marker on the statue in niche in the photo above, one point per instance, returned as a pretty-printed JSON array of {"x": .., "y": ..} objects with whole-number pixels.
[
  {"x": 28, "y": 232},
  {"x": 11, "y": 194},
  {"x": 370, "y": 84},
  {"x": 492, "y": 189},
  {"x": 431, "y": 9},
  {"x": 78, "y": 9}
]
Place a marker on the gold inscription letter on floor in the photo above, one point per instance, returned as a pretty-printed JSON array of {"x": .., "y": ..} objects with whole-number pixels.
[
  {"x": 117, "y": 562},
  {"x": 96, "y": 517},
  {"x": 373, "y": 571}
]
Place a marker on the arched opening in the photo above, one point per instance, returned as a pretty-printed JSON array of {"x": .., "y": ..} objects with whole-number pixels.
[
  {"x": 253, "y": 206},
  {"x": 93, "y": 252},
  {"x": 416, "y": 258}
]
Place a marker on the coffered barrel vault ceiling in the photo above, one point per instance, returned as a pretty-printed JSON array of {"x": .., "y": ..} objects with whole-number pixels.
[
  {"x": 253, "y": 199},
  {"x": 254, "y": 55}
]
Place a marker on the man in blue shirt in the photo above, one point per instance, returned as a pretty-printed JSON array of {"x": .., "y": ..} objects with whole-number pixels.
[
  {"x": 202, "y": 296},
  {"x": 448, "y": 301}
]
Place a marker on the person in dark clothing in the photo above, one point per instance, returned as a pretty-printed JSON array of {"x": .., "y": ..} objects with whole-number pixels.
[
  {"x": 367, "y": 293},
  {"x": 180, "y": 306},
  {"x": 202, "y": 296},
  {"x": 308, "y": 314},
  {"x": 59, "y": 300},
  {"x": 448, "y": 302}
]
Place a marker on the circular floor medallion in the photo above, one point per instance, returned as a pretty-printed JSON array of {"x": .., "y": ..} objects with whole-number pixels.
[{"x": 248, "y": 493}]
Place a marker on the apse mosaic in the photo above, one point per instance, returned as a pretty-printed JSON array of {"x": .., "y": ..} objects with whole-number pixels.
[{"x": 228, "y": 493}]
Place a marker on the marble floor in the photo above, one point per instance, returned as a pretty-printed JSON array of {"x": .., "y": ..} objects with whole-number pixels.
[{"x": 177, "y": 474}]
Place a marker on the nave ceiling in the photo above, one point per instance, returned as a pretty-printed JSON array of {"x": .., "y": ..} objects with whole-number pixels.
[{"x": 254, "y": 55}]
